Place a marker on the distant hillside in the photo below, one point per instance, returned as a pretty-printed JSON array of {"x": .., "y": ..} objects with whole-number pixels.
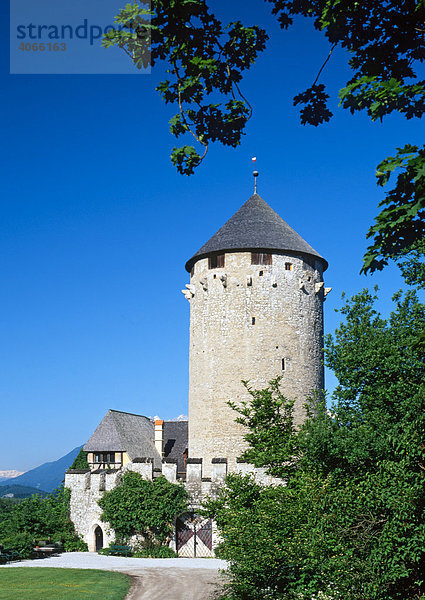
[
  {"x": 19, "y": 491},
  {"x": 6, "y": 475},
  {"x": 46, "y": 477}
]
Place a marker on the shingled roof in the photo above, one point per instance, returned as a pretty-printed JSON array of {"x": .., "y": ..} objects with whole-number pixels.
[
  {"x": 125, "y": 432},
  {"x": 255, "y": 226}
]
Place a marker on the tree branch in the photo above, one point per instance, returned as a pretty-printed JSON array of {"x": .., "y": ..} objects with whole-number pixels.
[
  {"x": 326, "y": 61},
  {"x": 183, "y": 116}
]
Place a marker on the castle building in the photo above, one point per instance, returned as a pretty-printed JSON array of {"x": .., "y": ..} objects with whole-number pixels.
[
  {"x": 256, "y": 297},
  {"x": 256, "y": 312}
]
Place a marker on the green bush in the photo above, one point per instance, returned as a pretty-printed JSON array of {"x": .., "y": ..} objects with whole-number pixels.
[
  {"x": 80, "y": 461},
  {"x": 349, "y": 523},
  {"x": 72, "y": 543},
  {"x": 141, "y": 507},
  {"x": 155, "y": 552},
  {"x": 37, "y": 518},
  {"x": 147, "y": 549},
  {"x": 19, "y": 542}
]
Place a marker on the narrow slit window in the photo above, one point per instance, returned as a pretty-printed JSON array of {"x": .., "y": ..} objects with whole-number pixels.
[
  {"x": 253, "y": 320},
  {"x": 288, "y": 266},
  {"x": 261, "y": 273},
  {"x": 283, "y": 364}
]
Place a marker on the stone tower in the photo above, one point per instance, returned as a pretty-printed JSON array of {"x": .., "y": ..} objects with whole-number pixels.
[{"x": 256, "y": 294}]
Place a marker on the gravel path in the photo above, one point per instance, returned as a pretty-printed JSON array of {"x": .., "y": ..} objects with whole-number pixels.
[
  {"x": 92, "y": 560},
  {"x": 153, "y": 578}
]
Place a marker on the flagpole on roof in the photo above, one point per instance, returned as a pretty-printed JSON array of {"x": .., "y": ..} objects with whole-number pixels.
[{"x": 255, "y": 173}]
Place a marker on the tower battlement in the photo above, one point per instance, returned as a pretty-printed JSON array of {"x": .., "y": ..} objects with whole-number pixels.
[{"x": 95, "y": 482}]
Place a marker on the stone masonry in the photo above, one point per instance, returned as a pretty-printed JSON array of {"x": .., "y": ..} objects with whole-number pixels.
[{"x": 250, "y": 322}]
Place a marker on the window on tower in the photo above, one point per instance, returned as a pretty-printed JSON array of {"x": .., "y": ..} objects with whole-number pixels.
[
  {"x": 216, "y": 261},
  {"x": 261, "y": 258}
]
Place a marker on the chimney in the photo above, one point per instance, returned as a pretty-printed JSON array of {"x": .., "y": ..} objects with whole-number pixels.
[{"x": 159, "y": 436}]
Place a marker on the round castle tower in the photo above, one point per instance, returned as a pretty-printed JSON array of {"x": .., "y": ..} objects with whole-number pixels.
[{"x": 256, "y": 312}]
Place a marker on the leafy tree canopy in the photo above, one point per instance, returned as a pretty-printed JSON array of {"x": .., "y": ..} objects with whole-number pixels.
[
  {"x": 349, "y": 523},
  {"x": 147, "y": 508},
  {"x": 24, "y": 523},
  {"x": 80, "y": 461},
  {"x": 268, "y": 417},
  {"x": 207, "y": 59}
]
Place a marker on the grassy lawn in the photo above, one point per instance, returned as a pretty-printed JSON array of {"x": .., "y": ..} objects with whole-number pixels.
[{"x": 32, "y": 583}]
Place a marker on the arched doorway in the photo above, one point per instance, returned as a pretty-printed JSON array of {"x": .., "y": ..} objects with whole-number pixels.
[{"x": 98, "y": 536}]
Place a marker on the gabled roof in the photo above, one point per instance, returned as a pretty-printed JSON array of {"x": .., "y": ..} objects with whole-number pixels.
[
  {"x": 125, "y": 432},
  {"x": 255, "y": 226}
]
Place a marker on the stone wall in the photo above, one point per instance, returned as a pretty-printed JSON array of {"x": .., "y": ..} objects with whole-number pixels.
[
  {"x": 87, "y": 488},
  {"x": 244, "y": 321}
]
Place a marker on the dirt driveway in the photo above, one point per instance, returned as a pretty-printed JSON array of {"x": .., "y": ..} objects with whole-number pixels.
[{"x": 174, "y": 584}]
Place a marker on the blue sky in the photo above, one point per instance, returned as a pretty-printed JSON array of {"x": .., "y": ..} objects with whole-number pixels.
[{"x": 97, "y": 226}]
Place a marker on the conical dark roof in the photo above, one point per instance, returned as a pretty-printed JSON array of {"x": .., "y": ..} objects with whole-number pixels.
[{"x": 256, "y": 226}]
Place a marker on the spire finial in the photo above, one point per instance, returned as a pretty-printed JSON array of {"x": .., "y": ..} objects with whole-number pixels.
[{"x": 255, "y": 173}]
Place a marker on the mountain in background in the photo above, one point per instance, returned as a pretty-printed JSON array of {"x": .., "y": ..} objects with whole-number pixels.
[
  {"x": 46, "y": 477},
  {"x": 19, "y": 491},
  {"x": 6, "y": 475}
]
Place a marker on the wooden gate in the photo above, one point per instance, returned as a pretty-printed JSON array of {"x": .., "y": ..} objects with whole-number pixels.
[{"x": 194, "y": 536}]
